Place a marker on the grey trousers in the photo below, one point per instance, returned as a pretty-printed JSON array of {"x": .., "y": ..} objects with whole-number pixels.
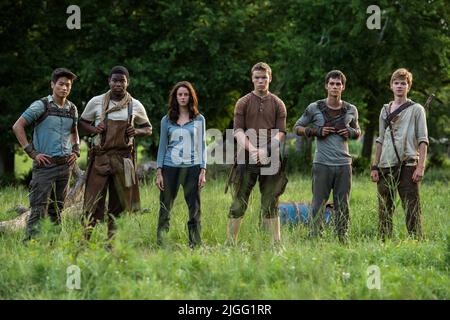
[
  {"x": 48, "y": 189},
  {"x": 324, "y": 179}
]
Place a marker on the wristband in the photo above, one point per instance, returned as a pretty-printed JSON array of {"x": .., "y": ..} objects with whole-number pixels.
[
  {"x": 375, "y": 167},
  {"x": 319, "y": 132},
  {"x": 76, "y": 149},
  {"x": 308, "y": 132},
  {"x": 354, "y": 133},
  {"x": 29, "y": 149},
  {"x": 311, "y": 132}
]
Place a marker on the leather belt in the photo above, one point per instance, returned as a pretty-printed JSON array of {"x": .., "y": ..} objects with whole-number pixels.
[{"x": 59, "y": 160}]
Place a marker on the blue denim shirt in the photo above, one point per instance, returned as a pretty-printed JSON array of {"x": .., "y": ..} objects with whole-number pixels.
[
  {"x": 51, "y": 136},
  {"x": 182, "y": 146}
]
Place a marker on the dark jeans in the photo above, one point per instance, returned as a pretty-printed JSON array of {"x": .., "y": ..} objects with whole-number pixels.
[
  {"x": 268, "y": 186},
  {"x": 48, "y": 190},
  {"x": 324, "y": 179},
  {"x": 391, "y": 180},
  {"x": 173, "y": 177}
]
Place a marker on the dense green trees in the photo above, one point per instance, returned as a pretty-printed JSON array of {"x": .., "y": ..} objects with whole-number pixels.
[
  {"x": 324, "y": 35},
  {"x": 213, "y": 45}
]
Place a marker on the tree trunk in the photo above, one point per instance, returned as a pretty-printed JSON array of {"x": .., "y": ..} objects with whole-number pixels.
[
  {"x": 369, "y": 133},
  {"x": 74, "y": 197},
  {"x": 376, "y": 99},
  {"x": 6, "y": 161},
  {"x": 305, "y": 146}
]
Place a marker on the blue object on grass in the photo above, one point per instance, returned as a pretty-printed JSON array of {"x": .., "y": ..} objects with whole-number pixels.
[{"x": 295, "y": 212}]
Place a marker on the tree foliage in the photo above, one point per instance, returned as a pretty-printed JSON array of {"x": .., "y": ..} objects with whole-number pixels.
[{"x": 213, "y": 44}]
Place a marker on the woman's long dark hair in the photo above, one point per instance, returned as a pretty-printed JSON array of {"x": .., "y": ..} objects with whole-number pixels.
[{"x": 174, "y": 108}]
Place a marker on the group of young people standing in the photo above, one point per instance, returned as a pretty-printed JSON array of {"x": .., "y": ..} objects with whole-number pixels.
[{"x": 115, "y": 118}]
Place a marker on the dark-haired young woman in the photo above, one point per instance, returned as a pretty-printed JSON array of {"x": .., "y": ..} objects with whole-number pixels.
[{"x": 181, "y": 159}]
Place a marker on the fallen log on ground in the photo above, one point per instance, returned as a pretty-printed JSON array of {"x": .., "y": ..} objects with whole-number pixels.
[{"x": 74, "y": 198}]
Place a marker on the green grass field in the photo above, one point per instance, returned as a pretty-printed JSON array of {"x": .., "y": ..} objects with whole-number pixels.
[{"x": 300, "y": 269}]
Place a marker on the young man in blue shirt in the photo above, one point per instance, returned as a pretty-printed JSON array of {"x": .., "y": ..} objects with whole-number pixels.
[{"x": 54, "y": 148}]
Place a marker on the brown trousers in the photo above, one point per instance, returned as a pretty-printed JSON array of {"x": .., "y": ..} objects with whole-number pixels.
[
  {"x": 391, "y": 180},
  {"x": 270, "y": 186},
  {"x": 106, "y": 173}
]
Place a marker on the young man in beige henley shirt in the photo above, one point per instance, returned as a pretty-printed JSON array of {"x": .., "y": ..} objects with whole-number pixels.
[{"x": 400, "y": 166}]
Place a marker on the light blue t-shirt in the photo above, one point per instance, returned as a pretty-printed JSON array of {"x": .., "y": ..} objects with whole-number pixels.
[
  {"x": 51, "y": 136},
  {"x": 182, "y": 146}
]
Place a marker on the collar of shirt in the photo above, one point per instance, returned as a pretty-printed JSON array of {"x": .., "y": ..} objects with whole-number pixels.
[
  {"x": 267, "y": 96},
  {"x": 51, "y": 100}
]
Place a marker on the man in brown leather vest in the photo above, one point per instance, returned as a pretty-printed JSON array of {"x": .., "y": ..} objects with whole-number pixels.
[{"x": 111, "y": 167}]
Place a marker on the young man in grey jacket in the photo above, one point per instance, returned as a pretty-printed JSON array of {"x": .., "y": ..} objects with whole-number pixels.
[{"x": 332, "y": 122}]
